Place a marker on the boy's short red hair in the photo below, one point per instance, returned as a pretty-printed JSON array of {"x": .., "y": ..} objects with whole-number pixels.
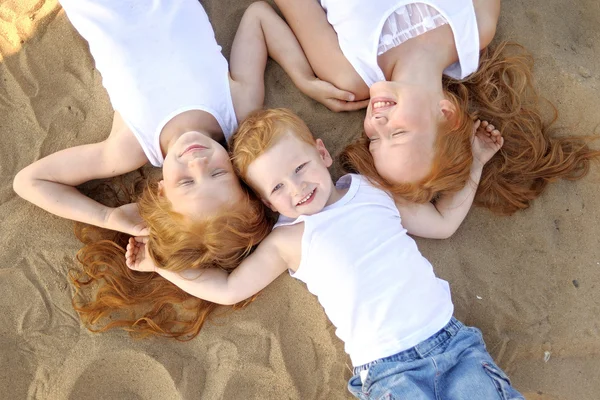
[{"x": 260, "y": 131}]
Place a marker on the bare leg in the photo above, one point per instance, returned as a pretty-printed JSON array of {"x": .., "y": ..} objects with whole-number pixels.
[{"x": 320, "y": 44}]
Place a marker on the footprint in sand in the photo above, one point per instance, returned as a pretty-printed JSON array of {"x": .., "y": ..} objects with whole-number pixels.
[{"x": 124, "y": 374}]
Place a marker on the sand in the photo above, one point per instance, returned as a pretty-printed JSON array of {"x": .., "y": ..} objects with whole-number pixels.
[{"x": 531, "y": 282}]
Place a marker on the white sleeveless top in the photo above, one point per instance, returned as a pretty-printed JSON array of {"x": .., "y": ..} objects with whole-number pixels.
[
  {"x": 368, "y": 274},
  {"x": 360, "y": 24},
  {"x": 158, "y": 59}
]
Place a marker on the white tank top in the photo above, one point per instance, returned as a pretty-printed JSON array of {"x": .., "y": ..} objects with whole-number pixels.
[
  {"x": 359, "y": 26},
  {"x": 158, "y": 59},
  {"x": 368, "y": 274}
]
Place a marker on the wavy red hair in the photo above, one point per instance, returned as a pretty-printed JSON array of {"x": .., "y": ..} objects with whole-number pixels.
[
  {"x": 260, "y": 131},
  {"x": 110, "y": 295},
  {"x": 502, "y": 92}
]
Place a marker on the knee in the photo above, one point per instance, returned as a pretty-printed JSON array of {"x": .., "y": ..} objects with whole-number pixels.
[{"x": 258, "y": 8}]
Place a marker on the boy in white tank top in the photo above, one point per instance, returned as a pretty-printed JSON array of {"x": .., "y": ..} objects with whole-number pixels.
[{"x": 393, "y": 314}]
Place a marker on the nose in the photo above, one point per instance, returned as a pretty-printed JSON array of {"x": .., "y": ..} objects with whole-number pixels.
[
  {"x": 297, "y": 188},
  {"x": 379, "y": 119},
  {"x": 198, "y": 163}
]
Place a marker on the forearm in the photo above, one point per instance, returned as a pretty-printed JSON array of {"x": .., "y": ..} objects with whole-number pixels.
[
  {"x": 283, "y": 47},
  {"x": 50, "y": 183},
  {"x": 209, "y": 284},
  {"x": 453, "y": 208},
  {"x": 441, "y": 220},
  {"x": 62, "y": 200}
]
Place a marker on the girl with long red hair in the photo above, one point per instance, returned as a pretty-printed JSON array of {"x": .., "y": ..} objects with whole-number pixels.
[{"x": 421, "y": 66}]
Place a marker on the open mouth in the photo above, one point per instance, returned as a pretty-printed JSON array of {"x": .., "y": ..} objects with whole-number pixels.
[
  {"x": 308, "y": 198},
  {"x": 193, "y": 148},
  {"x": 380, "y": 104}
]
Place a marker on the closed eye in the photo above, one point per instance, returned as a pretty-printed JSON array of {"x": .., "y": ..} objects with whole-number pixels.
[
  {"x": 185, "y": 182},
  {"x": 300, "y": 167},
  {"x": 218, "y": 172}
]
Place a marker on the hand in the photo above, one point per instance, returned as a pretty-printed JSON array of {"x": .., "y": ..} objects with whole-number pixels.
[
  {"x": 126, "y": 219},
  {"x": 487, "y": 140},
  {"x": 137, "y": 257},
  {"x": 331, "y": 97}
]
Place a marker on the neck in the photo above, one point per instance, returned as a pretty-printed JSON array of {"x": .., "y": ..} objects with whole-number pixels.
[
  {"x": 194, "y": 120},
  {"x": 335, "y": 195},
  {"x": 421, "y": 61}
]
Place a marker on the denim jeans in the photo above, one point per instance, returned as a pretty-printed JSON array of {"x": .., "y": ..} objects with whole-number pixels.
[{"x": 453, "y": 364}]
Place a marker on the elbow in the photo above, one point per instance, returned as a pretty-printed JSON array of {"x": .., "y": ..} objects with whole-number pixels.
[
  {"x": 229, "y": 300},
  {"x": 22, "y": 181},
  {"x": 442, "y": 232},
  {"x": 447, "y": 232}
]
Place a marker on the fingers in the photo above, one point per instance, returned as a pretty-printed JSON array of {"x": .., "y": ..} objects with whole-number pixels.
[
  {"x": 342, "y": 95},
  {"x": 130, "y": 253},
  {"x": 337, "y": 105},
  {"x": 140, "y": 239},
  {"x": 487, "y": 128},
  {"x": 476, "y": 125},
  {"x": 500, "y": 142}
]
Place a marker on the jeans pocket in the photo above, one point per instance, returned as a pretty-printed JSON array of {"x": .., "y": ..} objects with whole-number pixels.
[
  {"x": 476, "y": 332},
  {"x": 501, "y": 382}
]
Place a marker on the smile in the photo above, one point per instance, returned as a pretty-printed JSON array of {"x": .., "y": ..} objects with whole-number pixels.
[
  {"x": 308, "y": 198},
  {"x": 380, "y": 103},
  {"x": 192, "y": 148}
]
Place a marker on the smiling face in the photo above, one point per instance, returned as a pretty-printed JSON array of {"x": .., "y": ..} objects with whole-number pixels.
[
  {"x": 292, "y": 177},
  {"x": 198, "y": 177},
  {"x": 401, "y": 123}
]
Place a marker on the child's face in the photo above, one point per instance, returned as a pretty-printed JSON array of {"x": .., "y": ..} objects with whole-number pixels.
[
  {"x": 401, "y": 124},
  {"x": 292, "y": 177},
  {"x": 198, "y": 177}
]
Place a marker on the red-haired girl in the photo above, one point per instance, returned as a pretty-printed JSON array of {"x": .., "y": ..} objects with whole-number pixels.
[{"x": 417, "y": 128}]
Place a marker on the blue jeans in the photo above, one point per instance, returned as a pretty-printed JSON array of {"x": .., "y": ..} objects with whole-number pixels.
[{"x": 453, "y": 364}]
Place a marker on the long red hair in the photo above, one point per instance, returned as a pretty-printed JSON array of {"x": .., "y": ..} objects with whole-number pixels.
[
  {"x": 502, "y": 92},
  {"x": 110, "y": 295}
]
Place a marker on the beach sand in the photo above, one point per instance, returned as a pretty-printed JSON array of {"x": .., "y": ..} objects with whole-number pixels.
[{"x": 531, "y": 282}]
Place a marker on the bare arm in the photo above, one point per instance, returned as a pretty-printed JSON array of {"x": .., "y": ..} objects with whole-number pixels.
[
  {"x": 320, "y": 43},
  {"x": 216, "y": 285},
  {"x": 487, "y": 13},
  {"x": 50, "y": 182},
  {"x": 441, "y": 220},
  {"x": 263, "y": 33}
]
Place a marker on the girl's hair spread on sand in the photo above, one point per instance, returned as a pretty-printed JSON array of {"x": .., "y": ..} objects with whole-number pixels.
[
  {"x": 260, "y": 131},
  {"x": 502, "y": 92},
  {"x": 110, "y": 295}
]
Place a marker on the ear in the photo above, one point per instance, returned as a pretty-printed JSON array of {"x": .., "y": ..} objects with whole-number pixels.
[
  {"x": 268, "y": 204},
  {"x": 325, "y": 156},
  {"x": 161, "y": 187},
  {"x": 447, "y": 109}
]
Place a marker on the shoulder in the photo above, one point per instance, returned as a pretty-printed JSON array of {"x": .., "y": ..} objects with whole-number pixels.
[
  {"x": 287, "y": 240},
  {"x": 487, "y": 13},
  {"x": 122, "y": 146},
  {"x": 286, "y": 234}
]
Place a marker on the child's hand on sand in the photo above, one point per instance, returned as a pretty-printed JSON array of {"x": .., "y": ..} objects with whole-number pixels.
[
  {"x": 137, "y": 257},
  {"x": 487, "y": 140},
  {"x": 331, "y": 97},
  {"x": 126, "y": 218}
]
